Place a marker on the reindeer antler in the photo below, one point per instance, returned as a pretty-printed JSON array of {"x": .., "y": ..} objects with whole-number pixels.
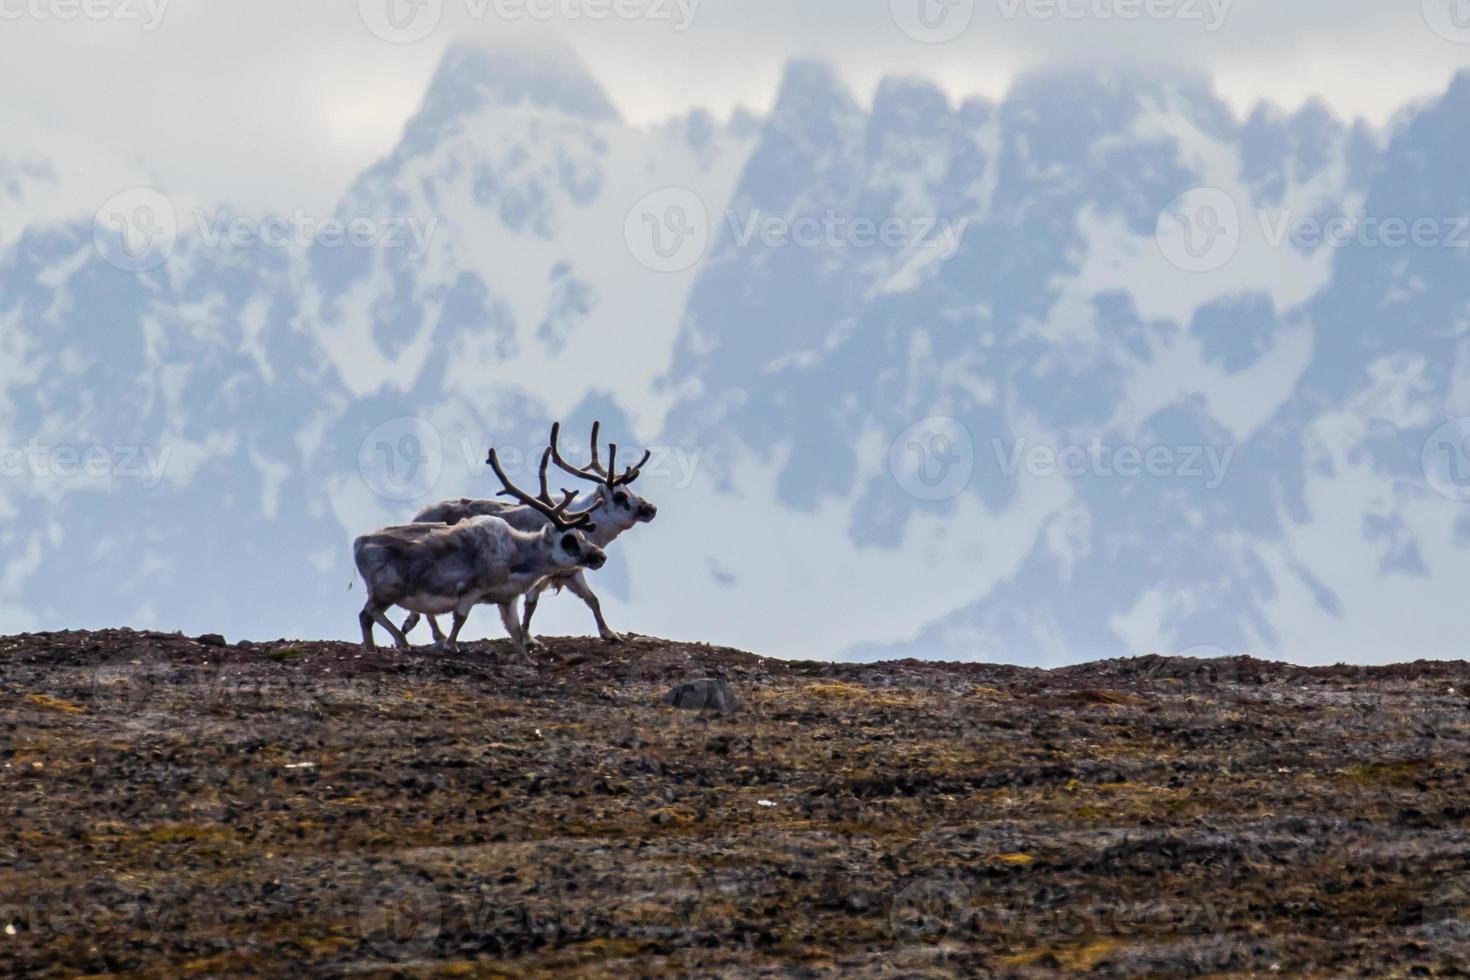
[
  {"x": 631, "y": 473},
  {"x": 545, "y": 495},
  {"x": 597, "y": 475},
  {"x": 596, "y": 466},
  {"x": 557, "y": 514},
  {"x": 595, "y": 472}
]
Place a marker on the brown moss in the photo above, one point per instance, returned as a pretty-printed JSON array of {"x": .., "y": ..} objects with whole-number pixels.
[
  {"x": 1078, "y": 957},
  {"x": 1401, "y": 774},
  {"x": 184, "y": 832},
  {"x": 55, "y": 704}
]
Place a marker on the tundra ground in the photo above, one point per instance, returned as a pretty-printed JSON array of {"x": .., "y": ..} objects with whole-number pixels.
[{"x": 170, "y": 806}]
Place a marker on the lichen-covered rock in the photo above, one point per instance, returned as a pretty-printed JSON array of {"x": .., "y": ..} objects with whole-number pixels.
[{"x": 706, "y": 694}]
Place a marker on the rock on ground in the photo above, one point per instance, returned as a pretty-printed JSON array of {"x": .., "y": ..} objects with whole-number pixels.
[{"x": 707, "y": 694}]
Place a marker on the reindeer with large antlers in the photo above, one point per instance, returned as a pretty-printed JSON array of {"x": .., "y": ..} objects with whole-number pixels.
[
  {"x": 438, "y": 568},
  {"x": 613, "y": 507}
]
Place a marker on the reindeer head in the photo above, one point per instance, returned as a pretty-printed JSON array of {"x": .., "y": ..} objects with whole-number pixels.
[
  {"x": 563, "y": 539},
  {"x": 571, "y": 549},
  {"x": 614, "y": 503}
]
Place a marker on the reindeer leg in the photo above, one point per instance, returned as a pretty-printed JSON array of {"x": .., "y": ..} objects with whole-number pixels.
[
  {"x": 517, "y": 632},
  {"x": 413, "y": 620},
  {"x": 532, "y": 598},
  {"x": 578, "y": 584},
  {"x": 380, "y": 616},
  {"x": 365, "y": 619},
  {"x": 451, "y": 643}
]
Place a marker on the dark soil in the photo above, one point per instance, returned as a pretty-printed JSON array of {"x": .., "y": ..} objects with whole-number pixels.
[{"x": 170, "y": 806}]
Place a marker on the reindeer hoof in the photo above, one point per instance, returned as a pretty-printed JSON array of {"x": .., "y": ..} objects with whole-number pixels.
[{"x": 612, "y": 637}]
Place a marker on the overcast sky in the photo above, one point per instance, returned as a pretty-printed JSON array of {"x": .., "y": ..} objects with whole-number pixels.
[{"x": 278, "y": 103}]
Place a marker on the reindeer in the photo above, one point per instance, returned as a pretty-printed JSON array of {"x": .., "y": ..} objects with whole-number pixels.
[
  {"x": 613, "y": 506},
  {"x": 615, "y": 509},
  {"x": 438, "y": 568}
]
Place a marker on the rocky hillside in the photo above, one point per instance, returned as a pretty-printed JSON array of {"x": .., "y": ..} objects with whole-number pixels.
[{"x": 170, "y": 804}]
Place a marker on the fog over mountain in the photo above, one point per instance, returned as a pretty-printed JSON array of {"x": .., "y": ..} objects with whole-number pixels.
[{"x": 1098, "y": 369}]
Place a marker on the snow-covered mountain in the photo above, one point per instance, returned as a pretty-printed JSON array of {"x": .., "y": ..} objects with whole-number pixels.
[{"x": 815, "y": 316}]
